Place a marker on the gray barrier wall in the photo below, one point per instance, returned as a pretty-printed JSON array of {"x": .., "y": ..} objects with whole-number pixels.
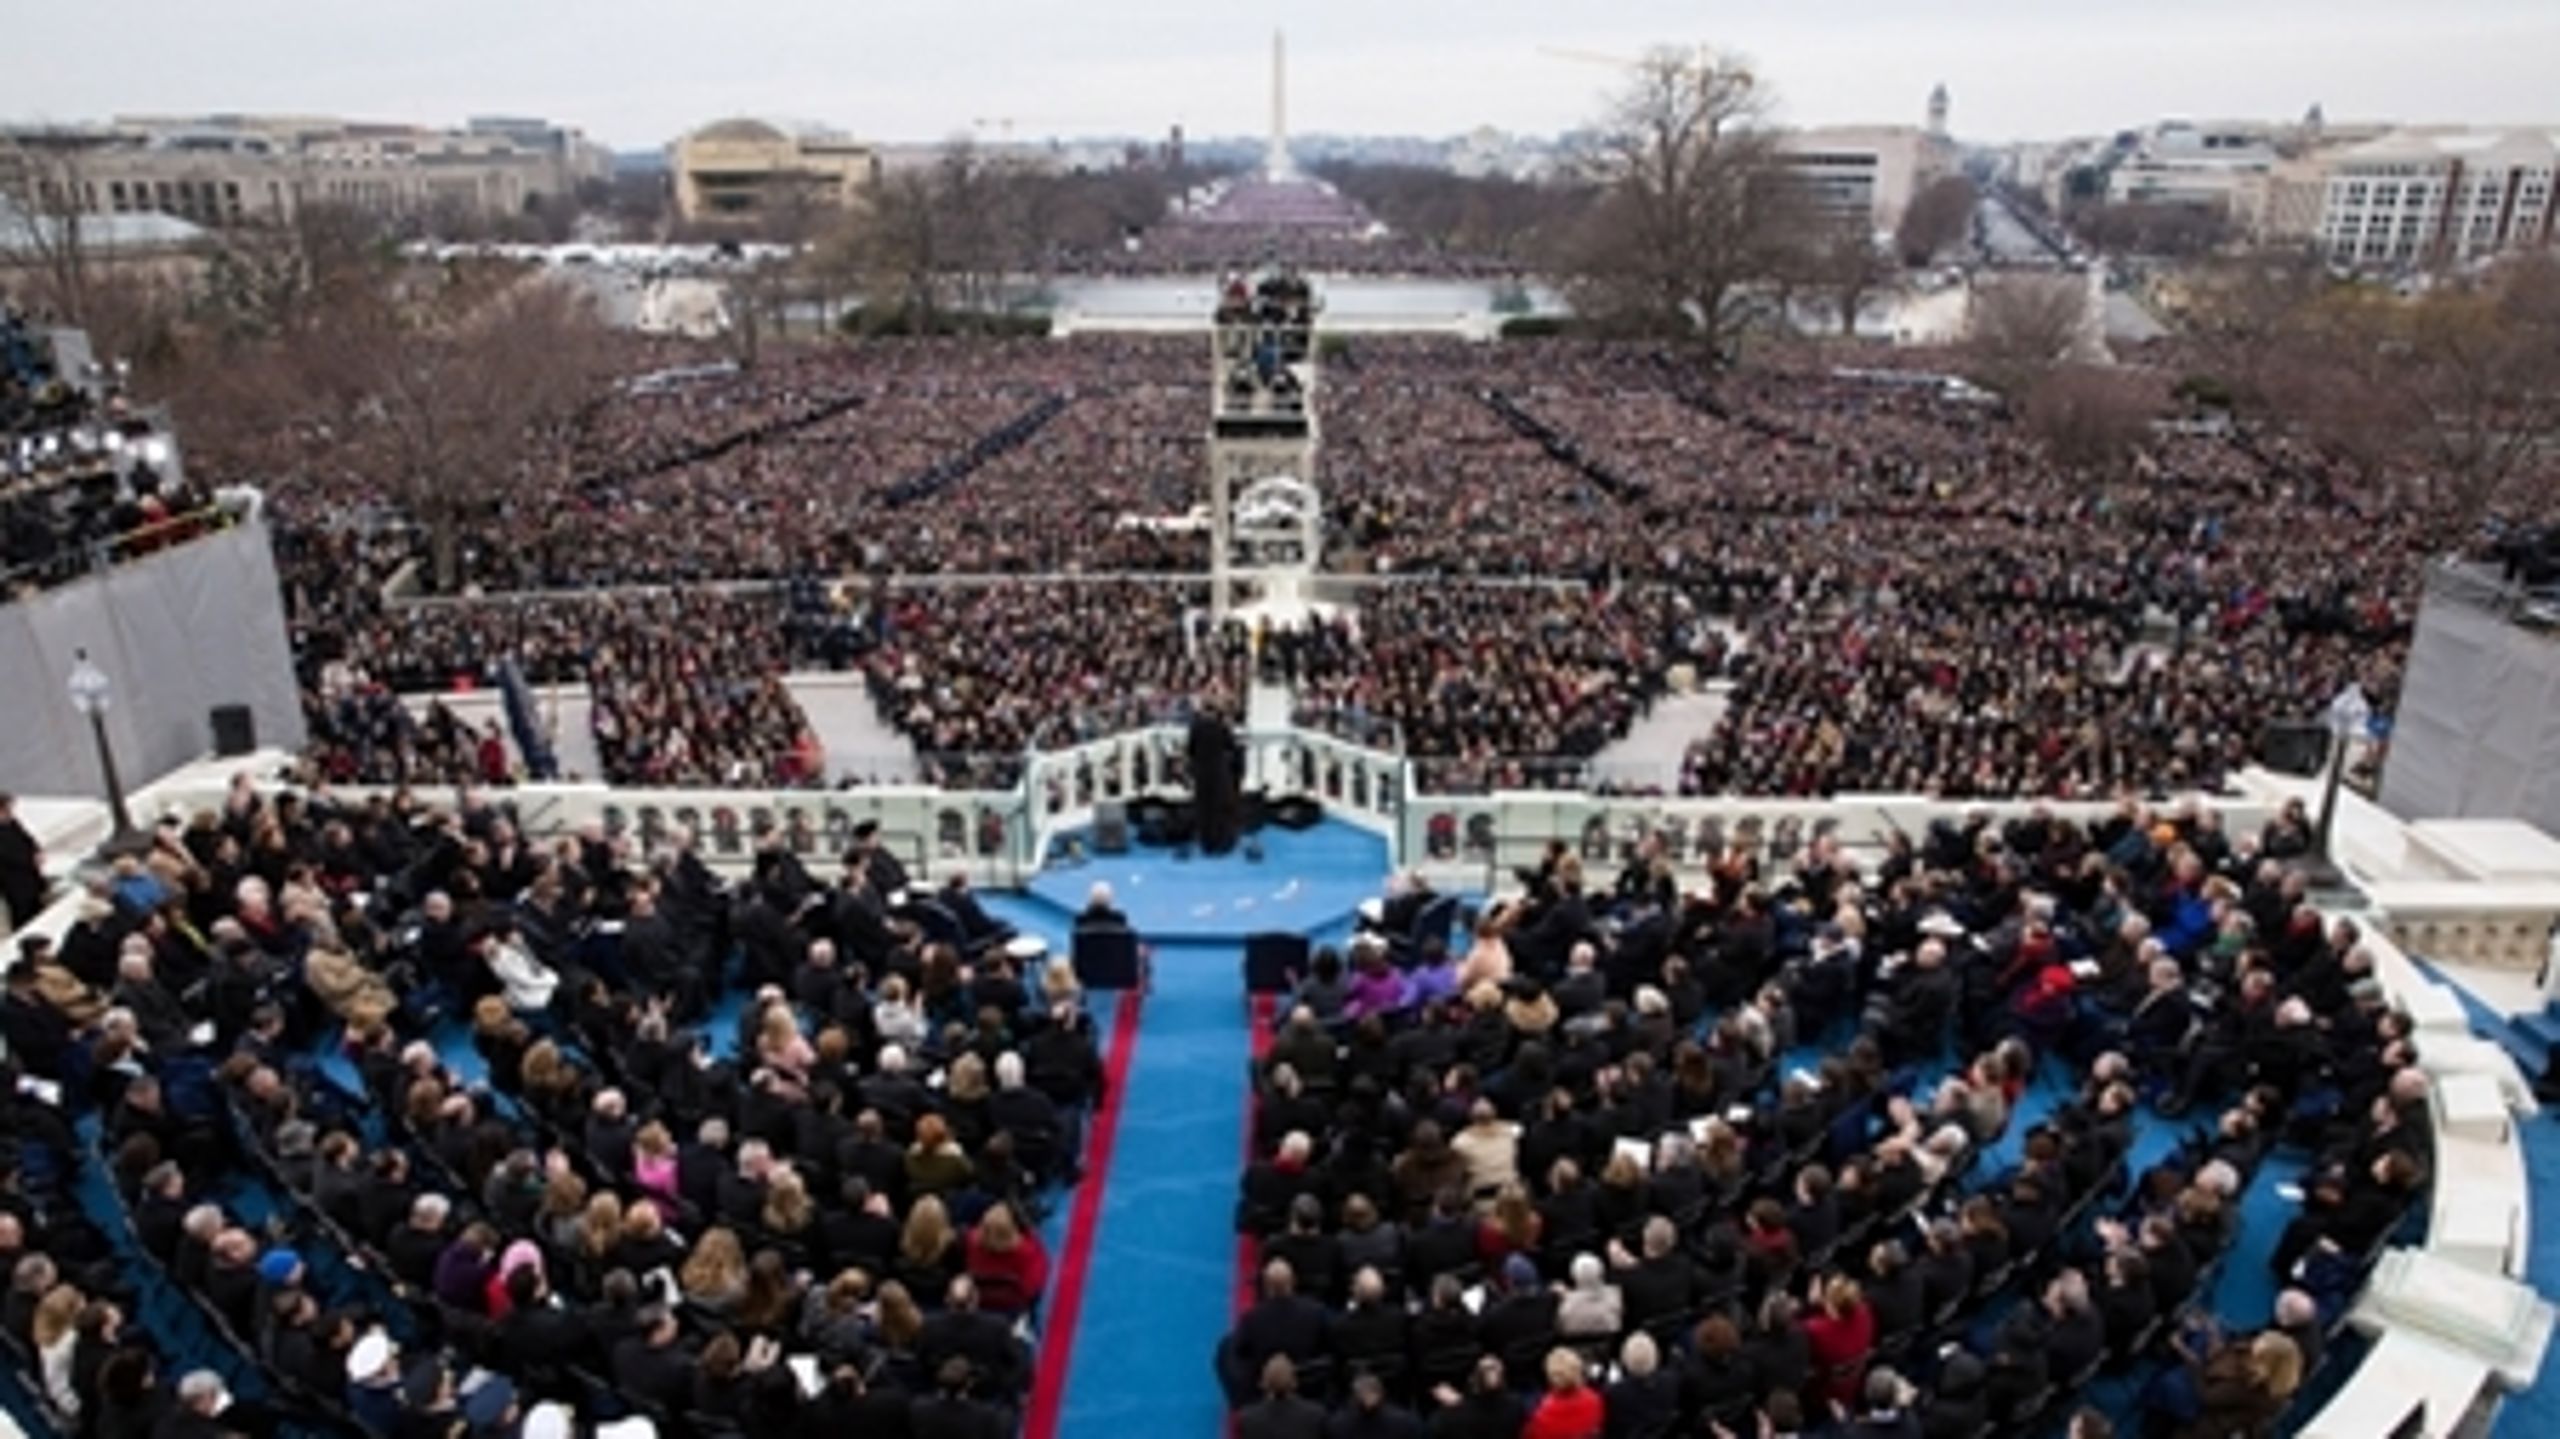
[
  {"x": 177, "y": 633},
  {"x": 2477, "y": 733}
]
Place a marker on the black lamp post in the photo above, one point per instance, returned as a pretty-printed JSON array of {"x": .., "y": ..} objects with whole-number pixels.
[
  {"x": 91, "y": 694},
  {"x": 2347, "y": 714}
]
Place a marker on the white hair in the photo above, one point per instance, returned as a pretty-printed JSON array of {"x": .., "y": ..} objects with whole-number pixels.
[
  {"x": 1008, "y": 1070},
  {"x": 1099, "y": 896},
  {"x": 200, "y": 1387}
]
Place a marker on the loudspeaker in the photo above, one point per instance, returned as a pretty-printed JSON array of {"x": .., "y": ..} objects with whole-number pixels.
[
  {"x": 1296, "y": 812},
  {"x": 235, "y": 730},
  {"x": 1164, "y": 825},
  {"x": 1272, "y": 960},
  {"x": 1111, "y": 827},
  {"x": 1105, "y": 958},
  {"x": 2295, "y": 747}
]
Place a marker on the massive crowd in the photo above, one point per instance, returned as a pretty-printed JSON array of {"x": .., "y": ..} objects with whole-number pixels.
[
  {"x": 1670, "y": 1155},
  {"x": 1921, "y": 596},
  {"x": 1563, "y": 1155},
  {"x": 1253, "y": 221},
  {"x": 978, "y": 675},
  {"x": 826, "y": 1209},
  {"x": 1493, "y": 686},
  {"x": 684, "y": 686}
]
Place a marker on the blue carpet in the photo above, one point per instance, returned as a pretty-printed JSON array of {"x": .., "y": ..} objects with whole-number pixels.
[
  {"x": 1162, "y": 1280},
  {"x": 1163, "y": 1259},
  {"x": 2535, "y": 1413},
  {"x": 1305, "y": 880}
]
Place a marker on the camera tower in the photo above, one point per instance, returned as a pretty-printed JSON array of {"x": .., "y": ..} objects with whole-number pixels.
[{"x": 1265, "y": 522}]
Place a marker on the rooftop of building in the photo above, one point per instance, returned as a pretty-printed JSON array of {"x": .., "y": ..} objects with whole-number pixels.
[
  {"x": 739, "y": 130},
  {"x": 2461, "y": 142}
]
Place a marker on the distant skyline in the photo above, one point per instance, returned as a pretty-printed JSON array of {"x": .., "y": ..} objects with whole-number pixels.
[{"x": 637, "y": 73}]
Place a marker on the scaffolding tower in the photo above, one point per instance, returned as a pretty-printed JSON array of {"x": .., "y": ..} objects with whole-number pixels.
[{"x": 1264, "y": 510}]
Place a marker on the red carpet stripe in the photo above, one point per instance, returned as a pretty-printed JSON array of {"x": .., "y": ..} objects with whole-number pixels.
[
  {"x": 1066, "y": 1299},
  {"x": 1248, "y": 1249}
]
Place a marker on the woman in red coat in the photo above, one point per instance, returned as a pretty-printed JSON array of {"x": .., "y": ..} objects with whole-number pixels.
[
  {"x": 1841, "y": 1332},
  {"x": 1570, "y": 1409},
  {"x": 1006, "y": 1261}
]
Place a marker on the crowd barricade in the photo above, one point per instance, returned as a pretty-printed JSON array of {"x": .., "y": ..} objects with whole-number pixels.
[{"x": 1066, "y": 785}]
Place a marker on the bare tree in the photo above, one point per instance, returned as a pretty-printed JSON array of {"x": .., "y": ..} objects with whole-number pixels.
[
  {"x": 2448, "y": 401},
  {"x": 2092, "y": 418},
  {"x": 1938, "y": 218},
  {"x": 2022, "y": 327},
  {"x": 1679, "y": 232},
  {"x": 2485, "y": 365},
  {"x": 461, "y": 379},
  {"x": 899, "y": 247},
  {"x": 1492, "y": 217},
  {"x": 289, "y": 274},
  {"x": 2340, "y": 380},
  {"x": 1845, "y": 265},
  {"x": 2242, "y": 314},
  {"x": 981, "y": 199},
  {"x": 939, "y": 245},
  {"x": 641, "y": 203},
  {"x": 132, "y": 303},
  {"x": 43, "y": 185},
  {"x": 2176, "y": 231}
]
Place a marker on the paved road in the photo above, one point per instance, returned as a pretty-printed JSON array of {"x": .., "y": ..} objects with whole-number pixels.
[
  {"x": 2005, "y": 240},
  {"x": 2128, "y": 321}
]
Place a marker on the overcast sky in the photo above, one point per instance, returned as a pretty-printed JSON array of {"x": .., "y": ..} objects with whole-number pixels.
[{"x": 638, "y": 72}]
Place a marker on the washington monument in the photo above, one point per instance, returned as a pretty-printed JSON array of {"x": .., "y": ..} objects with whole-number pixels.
[{"x": 1275, "y": 163}]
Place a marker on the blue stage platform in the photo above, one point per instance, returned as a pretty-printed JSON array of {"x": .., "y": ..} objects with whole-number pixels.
[{"x": 1306, "y": 880}]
